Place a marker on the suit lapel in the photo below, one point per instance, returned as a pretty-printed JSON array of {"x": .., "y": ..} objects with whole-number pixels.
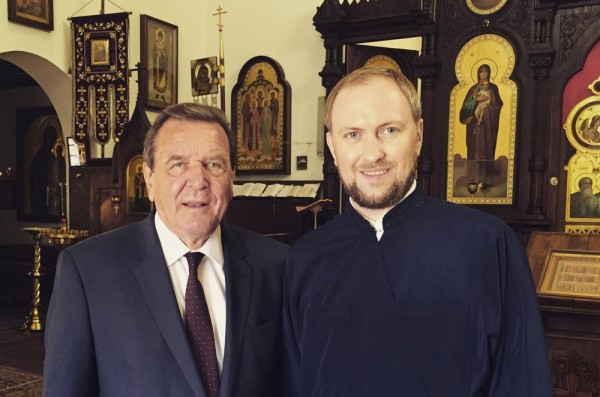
[
  {"x": 238, "y": 278},
  {"x": 156, "y": 286}
]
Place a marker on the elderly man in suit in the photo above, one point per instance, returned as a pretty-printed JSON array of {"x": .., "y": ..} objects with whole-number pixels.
[{"x": 119, "y": 323}]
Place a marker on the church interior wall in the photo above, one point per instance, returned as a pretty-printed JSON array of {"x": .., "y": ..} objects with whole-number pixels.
[
  {"x": 554, "y": 40},
  {"x": 280, "y": 30},
  {"x": 271, "y": 28}
]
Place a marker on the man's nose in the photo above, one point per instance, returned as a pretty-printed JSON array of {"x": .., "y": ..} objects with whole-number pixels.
[
  {"x": 373, "y": 148},
  {"x": 197, "y": 175}
]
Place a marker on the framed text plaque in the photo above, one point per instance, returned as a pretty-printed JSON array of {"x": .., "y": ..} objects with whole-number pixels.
[{"x": 571, "y": 274}]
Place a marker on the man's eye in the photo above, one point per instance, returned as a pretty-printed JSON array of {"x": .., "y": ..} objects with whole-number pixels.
[
  {"x": 176, "y": 168},
  {"x": 352, "y": 134},
  {"x": 214, "y": 165}
]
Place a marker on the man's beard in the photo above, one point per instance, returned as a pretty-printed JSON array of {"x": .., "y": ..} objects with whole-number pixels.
[
  {"x": 587, "y": 192},
  {"x": 391, "y": 197}
]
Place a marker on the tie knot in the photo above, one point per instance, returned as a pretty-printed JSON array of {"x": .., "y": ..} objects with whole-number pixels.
[{"x": 194, "y": 259}]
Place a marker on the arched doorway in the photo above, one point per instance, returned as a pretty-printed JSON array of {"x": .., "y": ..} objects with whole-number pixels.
[
  {"x": 28, "y": 83},
  {"x": 51, "y": 79}
]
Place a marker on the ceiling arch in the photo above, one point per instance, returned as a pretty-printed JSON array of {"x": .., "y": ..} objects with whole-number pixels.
[{"x": 55, "y": 83}]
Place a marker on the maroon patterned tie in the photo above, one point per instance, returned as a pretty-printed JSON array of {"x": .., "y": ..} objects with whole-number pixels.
[{"x": 199, "y": 328}]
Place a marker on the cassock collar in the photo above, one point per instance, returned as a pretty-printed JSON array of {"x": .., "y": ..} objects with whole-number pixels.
[{"x": 409, "y": 204}]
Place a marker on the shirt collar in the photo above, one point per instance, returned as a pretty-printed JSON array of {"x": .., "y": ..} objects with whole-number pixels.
[{"x": 173, "y": 248}]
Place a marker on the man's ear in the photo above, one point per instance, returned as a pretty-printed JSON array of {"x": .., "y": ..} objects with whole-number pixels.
[
  {"x": 149, "y": 179},
  {"x": 329, "y": 139},
  {"x": 419, "y": 143}
]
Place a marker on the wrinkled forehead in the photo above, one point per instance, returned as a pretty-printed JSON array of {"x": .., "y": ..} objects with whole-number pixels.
[{"x": 192, "y": 134}]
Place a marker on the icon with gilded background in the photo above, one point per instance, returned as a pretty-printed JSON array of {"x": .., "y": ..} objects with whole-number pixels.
[
  {"x": 583, "y": 199},
  {"x": 137, "y": 194},
  {"x": 261, "y": 119},
  {"x": 485, "y": 7},
  {"x": 482, "y": 125},
  {"x": 583, "y": 170}
]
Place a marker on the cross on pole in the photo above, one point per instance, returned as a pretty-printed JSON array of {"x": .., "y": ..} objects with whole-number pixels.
[{"x": 219, "y": 13}]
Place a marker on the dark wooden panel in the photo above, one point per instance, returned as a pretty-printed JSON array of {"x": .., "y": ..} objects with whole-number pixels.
[
  {"x": 274, "y": 217},
  {"x": 571, "y": 324},
  {"x": 551, "y": 40},
  {"x": 8, "y": 193}
]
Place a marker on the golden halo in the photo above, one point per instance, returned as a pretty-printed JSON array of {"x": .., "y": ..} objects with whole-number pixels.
[{"x": 484, "y": 61}]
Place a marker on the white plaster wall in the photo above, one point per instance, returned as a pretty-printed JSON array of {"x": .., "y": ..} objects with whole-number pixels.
[{"x": 280, "y": 29}]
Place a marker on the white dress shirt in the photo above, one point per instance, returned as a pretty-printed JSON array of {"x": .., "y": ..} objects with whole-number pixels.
[{"x": 210, "y": 274}]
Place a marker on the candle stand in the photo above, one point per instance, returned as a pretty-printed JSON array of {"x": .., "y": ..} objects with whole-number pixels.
[{"x": 59, "y": 237}]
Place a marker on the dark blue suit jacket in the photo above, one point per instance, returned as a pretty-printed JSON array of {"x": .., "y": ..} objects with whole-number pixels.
[{"x": 114, "y": 327}]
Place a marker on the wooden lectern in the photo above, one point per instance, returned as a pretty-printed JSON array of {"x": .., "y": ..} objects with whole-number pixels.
[
  {"x": 566, "y": 272},
  {"x": 314, "y": 208}
]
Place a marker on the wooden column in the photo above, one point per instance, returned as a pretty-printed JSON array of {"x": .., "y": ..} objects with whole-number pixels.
[
  {"x": 332, "y": 72},
  {"x": 426, "y": 69},
  {"x": 541, "y": 58}
]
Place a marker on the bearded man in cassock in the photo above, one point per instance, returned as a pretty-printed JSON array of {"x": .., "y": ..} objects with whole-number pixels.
[{"x": 405, "y": 295}]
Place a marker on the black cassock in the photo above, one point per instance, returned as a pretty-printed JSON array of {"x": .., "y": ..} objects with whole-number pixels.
[{"x": 442, "y": 305}]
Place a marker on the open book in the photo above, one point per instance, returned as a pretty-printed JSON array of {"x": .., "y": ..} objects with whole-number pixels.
[
  {"x": 272, "y": 190},
  {"x": 306, "y": 190},
  {"x": 249, "y": 189},
  {"x": 258, "y": 189}
]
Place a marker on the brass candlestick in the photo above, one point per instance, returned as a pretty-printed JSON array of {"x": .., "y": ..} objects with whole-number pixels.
[
  {"x": 63, "y": 236},
  {"x": 33, "y": 321},
  {"x": 60, "y": 238},
  {"x": 115, "y": 200}
]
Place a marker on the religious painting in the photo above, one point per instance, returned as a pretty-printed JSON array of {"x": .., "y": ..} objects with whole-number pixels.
[
  {"x": 572, "y": 274},
  {"x": 583, "y": 195},
  {"x": 482, "y": 124},
  {"x": 400, "y": 60},
  {"x": 485, "y": 6},
  {"x": 383, "y": 61},
  {"x": 41, "y": 165},
  {"x": 159, "y": 60},
  {"x": 100, "y": 80},
  {"x": 261, "y": 103},
  {"x": 583, "y": 179},
  {"x": 137, "y": 193},
  {"x": 35, "y": 13},
  {"x": 205, "y": 76},
  {"x": 100, "y": 52},
  {"x": 583, "y": 125}
]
